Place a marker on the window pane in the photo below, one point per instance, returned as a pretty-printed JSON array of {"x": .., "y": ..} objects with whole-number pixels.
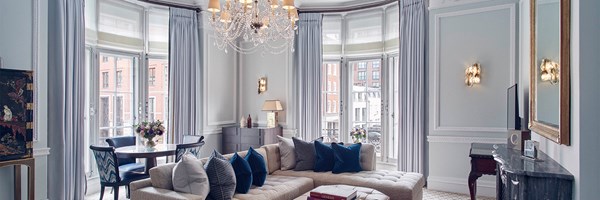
[
  {"x": 364, "y": 27},
  {"x": 116, "y": 109},
  {"x": 366, "y": 101},
  {"x": 158, "y": 30},
  {"x": 158, "y": 92},
  {"x": 120, "y": 25},
  {"x": 330, "y": 100}
]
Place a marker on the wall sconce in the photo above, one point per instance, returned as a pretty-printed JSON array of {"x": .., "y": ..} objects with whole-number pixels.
[
  {"x": 262, "y": 85},
  {"x": 549, "y": 71},
  {"x": 473, "y": 75}
]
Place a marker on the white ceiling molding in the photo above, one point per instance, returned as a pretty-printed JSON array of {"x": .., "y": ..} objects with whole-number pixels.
[
  {"x": 307, "y": 4},
  {"x": 437, "y": 4}
]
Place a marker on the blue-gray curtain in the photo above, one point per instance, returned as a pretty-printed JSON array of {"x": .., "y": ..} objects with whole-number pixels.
[
  {"x": 411, "y": 151},
  {"x": 185, "y": 74},
  {"x": 308, "y": 57},
  {"x": 66, "y": 99}
]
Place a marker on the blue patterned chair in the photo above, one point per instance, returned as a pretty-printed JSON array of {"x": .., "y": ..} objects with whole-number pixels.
[
  {"x": 187, "y": 139},
  {"x": 193, "y": 148},
  {"x": 126, "y": 164},
  {"x": 109, "y": 173}
]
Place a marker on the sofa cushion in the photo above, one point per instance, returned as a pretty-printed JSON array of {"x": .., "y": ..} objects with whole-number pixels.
[
  {"x": 278, "y": 188},
  {"x": 272, "y": 157},
  {"x": 258, "y": 166},
  {"x": 324, "y": 159},
  {"x": 287, "y": 152},
  {"x": 221, "y": 177},
  {"x": 305, "y": 154},
  {"x": 189, "y": 176},
  {"x": 243, "y": 173},
  {"x": 395, "y": 184},
  {"x": 347, "y": 159},
  {"x": 161, "y": 176}
]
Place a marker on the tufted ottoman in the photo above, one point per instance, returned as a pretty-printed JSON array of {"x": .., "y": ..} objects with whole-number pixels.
[
  {"x": 395, "y": 184},
  {"x": 362, "y": 193}
]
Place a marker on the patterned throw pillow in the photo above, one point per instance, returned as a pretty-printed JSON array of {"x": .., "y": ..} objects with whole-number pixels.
[
  {"x": 287, "y": 152},
  {"x": 305, "y": 154},
  {"x": 347, "y": 159},
  {"x": 221, "y": 177},
  {"x": 258, "y": 166},
  {"x": 189, "y": 176},
  {"x": 243, "y": 174}
]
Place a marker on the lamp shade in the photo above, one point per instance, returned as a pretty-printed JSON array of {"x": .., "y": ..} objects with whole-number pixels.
[
  {"x": 272, "y": 105},
  {"x": 214, "y": 6},
  {"x": 288, "y": 4},
  {"x": 274, "y": 4}
]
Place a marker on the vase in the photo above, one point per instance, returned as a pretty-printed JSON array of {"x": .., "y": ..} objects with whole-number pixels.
[
  {"x": 150, "y": 143},
  {"x": 357, "y": 140}
]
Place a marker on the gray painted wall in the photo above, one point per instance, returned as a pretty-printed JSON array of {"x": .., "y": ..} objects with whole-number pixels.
[
  {"x": 482, "y": 32},
  {"x": 17, "y": 50}
]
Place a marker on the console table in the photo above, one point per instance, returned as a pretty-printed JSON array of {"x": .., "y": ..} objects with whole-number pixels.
[
  {"x": 482, "y": 162},
  {"x": 239, "y": 139},
  {"x": 30, "y": 163},
  {"x": 519, "y": 177}
]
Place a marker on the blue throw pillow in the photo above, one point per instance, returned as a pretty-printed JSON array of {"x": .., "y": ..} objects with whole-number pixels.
[
  {"x": 258, "y": 166},
  {"x": 243, "y": 174},
  {"x": 221, "y": 177},
  {"x": 324, "y": 157},
  {"x": 347, "y": 159}
]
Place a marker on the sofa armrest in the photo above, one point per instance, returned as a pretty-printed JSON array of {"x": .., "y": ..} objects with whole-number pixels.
[{"x": 136, "y": 185}]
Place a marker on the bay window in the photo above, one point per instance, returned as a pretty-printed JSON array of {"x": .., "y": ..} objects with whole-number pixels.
[
  {"x": 127, "y": 76},
  {"x": 362, "y": 46}
]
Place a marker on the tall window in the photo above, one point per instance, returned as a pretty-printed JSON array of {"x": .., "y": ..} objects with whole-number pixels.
[
  {"x": 119, "y": 78},
  {"x": 151, "y": 76},
  {"x": 330, "y": 98},
  {"x": 151, "y": 108},
  {"x": 362, "y": 76},
  {"x": 375, "y": 75},
  {"x": 104, "y": 79},
  {"x": 127, "y": 32},
  {"x": 369, "y": 38}
]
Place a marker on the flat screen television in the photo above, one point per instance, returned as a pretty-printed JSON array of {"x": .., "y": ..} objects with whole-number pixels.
[{"x": 513, "y": 121}]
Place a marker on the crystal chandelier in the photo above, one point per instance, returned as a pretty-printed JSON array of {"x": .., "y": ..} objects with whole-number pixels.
[{"x": 269, "y": 25}]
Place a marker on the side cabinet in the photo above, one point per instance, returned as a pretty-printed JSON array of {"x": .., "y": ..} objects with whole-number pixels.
[
  {"x": 240, "y": 139},
  {"x": 518, "y": 177}
]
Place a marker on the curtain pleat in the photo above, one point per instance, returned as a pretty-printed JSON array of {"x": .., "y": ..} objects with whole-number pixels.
[
  {"x": 185, "y": 74},
  {"x": 67, "y": 100},
  {"x": 412, "y": 86},
  {"x": 308, "y": 61}
]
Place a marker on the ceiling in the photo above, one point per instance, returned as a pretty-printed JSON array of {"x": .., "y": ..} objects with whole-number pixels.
[{"x": 299, "y": 3}]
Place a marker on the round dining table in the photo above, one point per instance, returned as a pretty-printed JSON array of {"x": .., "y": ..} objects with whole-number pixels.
[{"x": 139, "y": 151}]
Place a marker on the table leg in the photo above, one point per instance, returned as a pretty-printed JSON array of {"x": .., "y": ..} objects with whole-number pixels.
[
  {"x": 473, "y": 176},
  {"x": 150, "y": 163},
  {"x": 17, "y": 178}
]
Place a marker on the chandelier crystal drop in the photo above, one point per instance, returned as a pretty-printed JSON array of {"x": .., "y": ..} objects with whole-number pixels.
[{"x": 268, "y": 25}]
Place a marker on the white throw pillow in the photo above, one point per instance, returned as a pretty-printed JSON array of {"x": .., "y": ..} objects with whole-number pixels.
[
  {"x": 287, "y": 152},
  {"x": 189, "y": 176}
]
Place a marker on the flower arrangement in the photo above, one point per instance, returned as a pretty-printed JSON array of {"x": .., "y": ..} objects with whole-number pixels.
[
  {"x": 149, "y": 130},
  {"x": 358, "y": 134}
]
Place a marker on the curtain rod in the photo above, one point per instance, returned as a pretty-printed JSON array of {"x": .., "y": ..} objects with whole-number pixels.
[
  {"x": 346, "y": 8},
  {"x": 172, "y": 4}
]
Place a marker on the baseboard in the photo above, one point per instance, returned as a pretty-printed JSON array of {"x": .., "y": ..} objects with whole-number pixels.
[{"x": 460, "y": 185}]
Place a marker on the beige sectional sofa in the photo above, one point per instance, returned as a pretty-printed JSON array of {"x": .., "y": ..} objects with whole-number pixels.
[{"x": 289, "y": 184}]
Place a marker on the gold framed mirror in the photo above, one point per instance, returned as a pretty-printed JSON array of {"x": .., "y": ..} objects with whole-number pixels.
[{"x": 550, "y": 84}]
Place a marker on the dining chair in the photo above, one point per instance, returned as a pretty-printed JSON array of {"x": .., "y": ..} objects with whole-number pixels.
[
  {"x": 108, "y": 170},
  {"x": 126, "y": 164},
  {"x": 187, "y": 139},
  {"x": 193, "y": 148}
]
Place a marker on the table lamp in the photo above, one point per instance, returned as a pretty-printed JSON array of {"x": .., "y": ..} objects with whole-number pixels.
[{"x": 273, "y": 106}]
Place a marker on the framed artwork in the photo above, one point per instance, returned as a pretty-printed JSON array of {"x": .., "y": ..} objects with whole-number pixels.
[{"x": 16, "y": 114}]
